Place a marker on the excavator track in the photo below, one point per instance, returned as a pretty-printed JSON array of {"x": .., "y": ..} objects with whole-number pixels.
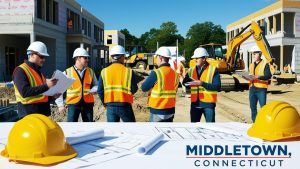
[
  {"x": 227, "y": 82},
  {"x": 233, "y": 82}
]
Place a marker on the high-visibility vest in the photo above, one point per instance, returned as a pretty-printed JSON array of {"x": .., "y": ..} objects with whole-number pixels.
[
  {"x": 199, "y": 92},
  {"x": 163, "y": 94},
  {"x": 80, "y": 87},
  {"x": 181, "y": 70},
  {"x": 34, "y": 80},
  {"x": 117, "y": 84},
  {"x": 259, "y": 70}
]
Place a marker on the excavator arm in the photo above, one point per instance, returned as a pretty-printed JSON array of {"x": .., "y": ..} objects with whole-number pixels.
[{"x": 233, "y": 45}]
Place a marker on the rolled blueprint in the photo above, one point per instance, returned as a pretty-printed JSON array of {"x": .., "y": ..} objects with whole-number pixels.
[
  {"x": 85, "y": 136},
  {"x": 148, "y": 145}
]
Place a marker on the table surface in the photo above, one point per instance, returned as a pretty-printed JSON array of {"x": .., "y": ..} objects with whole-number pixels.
[{"x": 169, "y": 153}]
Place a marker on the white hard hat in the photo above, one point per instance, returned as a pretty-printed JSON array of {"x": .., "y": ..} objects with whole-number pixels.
[
  {"x": 164, "y": 52},
  {"x": 117, "y": 50},
  {"x": 38, "y": 47},
  {"x": 199, "y": 53},
  {"x": 255, "y": 49},
  {"x": 80, "y": 52}
]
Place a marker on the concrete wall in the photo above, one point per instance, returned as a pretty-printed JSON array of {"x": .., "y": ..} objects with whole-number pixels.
[
  {"x": 297, "y": 58},
  {"x": 55, "y": 40}
]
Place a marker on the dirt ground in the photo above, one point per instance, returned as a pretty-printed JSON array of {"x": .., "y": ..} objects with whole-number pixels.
[{"x": 231, "y": 106}]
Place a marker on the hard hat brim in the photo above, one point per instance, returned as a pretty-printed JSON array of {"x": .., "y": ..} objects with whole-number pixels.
[
  {"x": 270, "y": 136},
  {"x": 30, "y": 51},
  {"x": 69, "y": 153},
  {"x": 163, "y": 56},
  {"x": 195, "y": 57},
  {"x": 81, "y": 55}
]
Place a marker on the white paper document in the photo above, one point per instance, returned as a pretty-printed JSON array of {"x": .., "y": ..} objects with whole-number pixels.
[
  {"x": 245, "y": 75},
  {"x": 148, "y": 145},
  {"x": 85, "y": 136},
  {"x": 201, "y": 133},
  {"x": 63, "y": 83},
  {"x": 110, "y": 147},
  {"x": 192, "y": 83},
  {"x": 94, "y": 89}
]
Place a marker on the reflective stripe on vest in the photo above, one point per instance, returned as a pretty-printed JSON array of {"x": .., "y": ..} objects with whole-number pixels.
[
  {"x": 117, "y": 84},
  {"x": 163, "y": 94},
  {"x": 74, "y": 92},
  {"x": 34, "y": 80},
  {"x": 259, "y": 70},
  {"x": 199, "y": 92}
]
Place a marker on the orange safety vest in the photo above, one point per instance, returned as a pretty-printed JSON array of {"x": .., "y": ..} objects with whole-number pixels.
[
  {"x": 117, "y": 83},
  {"x": 163, "y": 94},
  {"x": 200, "y": 92},
  {"x": 259, "y": 70},
  {"x": 78, "y": 88},
  {"x": 34, "y": 80},
  {"x": 181, "y": 70}
]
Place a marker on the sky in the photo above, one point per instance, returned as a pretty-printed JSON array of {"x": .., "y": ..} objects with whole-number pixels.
[{"x": 139, "y": 16}]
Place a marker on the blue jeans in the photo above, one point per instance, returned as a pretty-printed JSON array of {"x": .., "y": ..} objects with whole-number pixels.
[
  {"x": 86, "y": 111},
  {"x": 156, "y": 118},
  {"x": 196, "y": 113},
  {"x": 256, "y": 94},
  {"x": 115, "y": 113}
]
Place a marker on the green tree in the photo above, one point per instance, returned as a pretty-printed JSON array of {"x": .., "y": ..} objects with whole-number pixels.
[
  {"x": 130, "y": 39},
  {"x": 203, "y": 33},
  {"x": 149, "y": 39},
  {"x": 166, "y": 35}
]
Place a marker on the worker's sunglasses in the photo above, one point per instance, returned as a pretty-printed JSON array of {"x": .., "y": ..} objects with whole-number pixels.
[{"x": 40, "y": 56}]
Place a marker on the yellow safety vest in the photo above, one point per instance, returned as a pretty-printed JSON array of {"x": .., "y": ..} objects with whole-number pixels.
[
  {"x": 78, "y": 88},
  {"x": 34, "y": 80},
  {"x": 163, "y": 94},
  {"x": 259, "y": 70},
  {"x": 117, "y": 83},
  {"x": 200, "y": 92}
]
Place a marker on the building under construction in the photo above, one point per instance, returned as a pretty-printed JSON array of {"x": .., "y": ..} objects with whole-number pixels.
[
  {"x": 63, "y": 25},
  {"x": 281, "y": 24}
]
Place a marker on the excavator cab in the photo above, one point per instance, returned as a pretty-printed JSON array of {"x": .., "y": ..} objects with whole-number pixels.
[{"x": 214, "y": 50}]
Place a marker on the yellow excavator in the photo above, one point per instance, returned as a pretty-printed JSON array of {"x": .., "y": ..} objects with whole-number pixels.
[
  {"x": 231, "y": 62},
  {"x": 138, "y": 59}
]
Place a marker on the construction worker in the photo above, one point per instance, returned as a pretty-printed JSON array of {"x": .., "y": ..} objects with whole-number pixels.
[
  {"x": 204, "y": 81},
  {"x": 79, "y": 99},
  {"x": 261, "y": 74},
  {"x": 30, "y": 84},
  {"x": 181, "y": 72},
  {"x": 163, "y": 83},
  {"x": 116, "y": 87}
]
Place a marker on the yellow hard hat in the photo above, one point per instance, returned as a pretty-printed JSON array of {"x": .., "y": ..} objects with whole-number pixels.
[
  {"x": 37, "y": 139},
  {"x": 276, "y": 121}
]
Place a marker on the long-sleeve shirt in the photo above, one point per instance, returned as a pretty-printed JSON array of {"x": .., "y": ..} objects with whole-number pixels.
[
  {"x": 23, "y": 85},
  {"x": 60, "y": 101},
  {"x": 134, "y": 88},
  {"x": 214, "y": 86},
  {"x": 149, "y": 84}
]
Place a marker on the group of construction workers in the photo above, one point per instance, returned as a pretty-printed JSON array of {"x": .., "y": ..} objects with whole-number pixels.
[{"x": 117, "y": 84}]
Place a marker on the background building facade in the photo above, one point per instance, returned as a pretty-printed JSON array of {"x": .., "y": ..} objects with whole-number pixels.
[
  {"x": 63, "y": 25},
  {"x": 281, "y": 25}
]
